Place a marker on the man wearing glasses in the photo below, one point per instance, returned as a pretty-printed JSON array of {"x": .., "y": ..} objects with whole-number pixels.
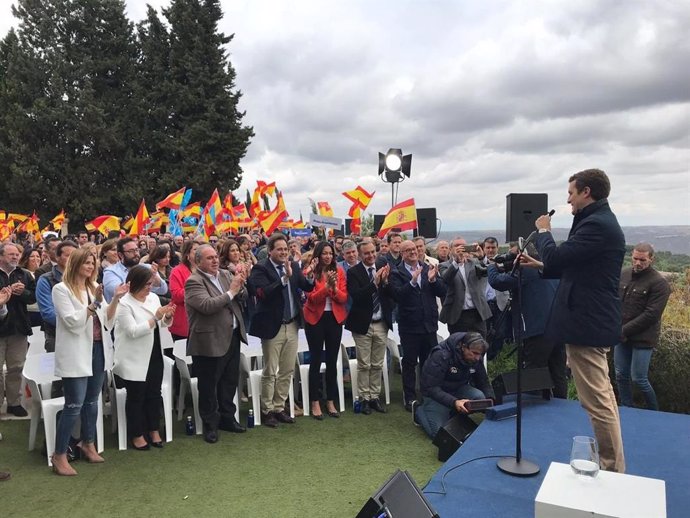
[{"x": 128, "y": 253}]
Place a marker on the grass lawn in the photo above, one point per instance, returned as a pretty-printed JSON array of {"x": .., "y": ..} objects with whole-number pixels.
[{"x": 312, "y": 468}]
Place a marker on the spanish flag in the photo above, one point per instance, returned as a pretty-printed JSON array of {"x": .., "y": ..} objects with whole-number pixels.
[
  {"x": 262, "y": 188},
  {"x": 324, "y": 208},
  {"x": 103, "y": 224},
  {"x": 140, "y": 220},
  {"x": 360, "y": 198},
  {"x": 193, "y": 210},
  {"x": 269, "y": 220},
  {"x": 58, "y": 220},
  {"x": 402, "y": 216},
  {"x": 172, "y": 201}
]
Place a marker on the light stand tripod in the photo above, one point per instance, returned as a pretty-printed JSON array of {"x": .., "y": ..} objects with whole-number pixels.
[{"x": 517, "y": 466}]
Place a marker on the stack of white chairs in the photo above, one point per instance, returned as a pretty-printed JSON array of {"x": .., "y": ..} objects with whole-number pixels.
[
  {"x": 348, "y": 342},
  {"x": 303, "y": 347}
]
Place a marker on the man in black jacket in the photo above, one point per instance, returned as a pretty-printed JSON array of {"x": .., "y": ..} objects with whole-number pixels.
[
  {"x": 415, "y": 286},
  {"x": 275, "y": 282},
  {"x": 15, "y": 328},
  {"x": 369, "y": 320},
  {"x": 586, "y": 312},
  {"x": 452, "y": 375},
  {"x": 644, "y": 293}
]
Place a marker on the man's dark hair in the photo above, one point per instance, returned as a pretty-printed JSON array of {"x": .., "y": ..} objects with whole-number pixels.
[
  {"x": 274, "y": 239},
  {"x": 645, "y": 248},
  {"x": 123, "y": 241},
  {"x": 473, "y": 339},
  {"x": 82, "y": 232},
  {"x": 64, "y": 244},
  {"x": 391, "y": 235},
  {"x": 137, "y": 277},
  {"x": 491, "y": 240},
  {"x": 596, "y": 180}
]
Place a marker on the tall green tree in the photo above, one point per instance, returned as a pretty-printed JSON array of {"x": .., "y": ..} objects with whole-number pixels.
[
  {"x": 206, "y": 131},
  {"x": 67, "y": 106}
]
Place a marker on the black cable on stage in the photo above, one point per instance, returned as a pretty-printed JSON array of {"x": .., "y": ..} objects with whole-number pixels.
[{"x": 443, "y": 478}]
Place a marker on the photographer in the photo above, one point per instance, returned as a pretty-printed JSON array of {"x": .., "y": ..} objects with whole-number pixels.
[
  {"x": 537, "y": 297},
  {"x": 453, "y": 374}
]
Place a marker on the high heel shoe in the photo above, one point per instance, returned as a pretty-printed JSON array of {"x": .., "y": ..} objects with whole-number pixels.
[
  {"x": 157, "y": 444},
  {"x": 69, "y": 471},
  {"x": 318, "y": 417},
  {"x": 141, "y": 448},
  {"x": 91, "y": 456}
]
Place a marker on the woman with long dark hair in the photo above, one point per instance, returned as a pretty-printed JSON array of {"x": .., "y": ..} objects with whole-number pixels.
[
  {"x": 324, "y": 314},
  {"x": 139, "y": 356}
]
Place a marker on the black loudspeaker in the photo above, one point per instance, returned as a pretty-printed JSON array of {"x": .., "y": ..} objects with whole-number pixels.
[
  {"x": 532, "y": 380},
  {"x": 426, "y": 223},
  {"x": 399, "y": 497},
  {"x": 522, "y": 210},
  {"x": 346, "y": 229},
  {"x": 378, "y": 221},
  {"x": 452, "y": 435}
]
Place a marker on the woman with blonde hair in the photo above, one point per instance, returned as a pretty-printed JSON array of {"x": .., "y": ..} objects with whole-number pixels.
[{"x": 79, "y": 358}]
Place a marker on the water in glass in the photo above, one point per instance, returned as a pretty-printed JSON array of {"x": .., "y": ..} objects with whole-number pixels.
[{"x": 584, "y": 456}]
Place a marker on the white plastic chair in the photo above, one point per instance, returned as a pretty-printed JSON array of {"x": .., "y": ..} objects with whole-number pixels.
[
  {"x": 187, "y": 382},
  {"x": 39, "y": 373},
  {"x": 302, "y": 347},
  {"x": 37, "y": 341},
  {"x": 118, "y": 397},
  {"x": 353, "y": 376}
]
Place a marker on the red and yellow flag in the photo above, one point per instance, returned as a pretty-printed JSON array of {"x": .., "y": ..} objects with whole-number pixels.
[
  {"x": 360, "y": 198},
  {"x": 262, "y": 188},
  {"x": 324, "y": 208},
  {"x": 193, "y": 210},
  {"x": 140, "y": 220},
  {"x": 172, "y": 201},
  {"x": 103, "y": 224},
  {"x": 402, "y": 216},
  {"x": 270, "y": 220}
]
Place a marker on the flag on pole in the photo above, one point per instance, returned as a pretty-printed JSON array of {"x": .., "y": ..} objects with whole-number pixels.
[
  {"x": 193, "y": 210},
  {"x": 269, "y": 220},
  {"x": 172, "y": 201},
  {"x": 141, "y": 220},
  {"x": 359, "y": 198},
  {"x": 402, "y": 216},
  {"x": 262, "y": 188}
]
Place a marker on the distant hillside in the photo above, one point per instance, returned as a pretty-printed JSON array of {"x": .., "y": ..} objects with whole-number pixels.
[{"x": 674, "y": 239}]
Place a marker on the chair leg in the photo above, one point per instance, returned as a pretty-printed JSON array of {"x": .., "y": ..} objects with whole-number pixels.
[
  {"x": 33, "y": 427},
  {"x": 291, "y": 395},
  {"x": 341, "y": 386},
  {"x": 304, "y": 378},
  {"x": 236, "y": 400},
  {"x": 194, "y": 388},
  {"x": 113, "y": 411},
  {"x": 353, "y": 380},
  {"x": 100, "y": 440},
  {"x": 386, "y": 381},
  {"x": 166, "y": 391},
  {"x": 255, "y": 383},
  {"x": 121, "y": 396},
  {"x": 50, "y": 428}
]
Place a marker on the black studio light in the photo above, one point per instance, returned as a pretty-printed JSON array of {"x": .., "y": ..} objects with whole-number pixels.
[{"x": 394, "y": 167}]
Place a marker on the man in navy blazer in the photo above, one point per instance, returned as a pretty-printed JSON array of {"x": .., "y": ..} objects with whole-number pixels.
[
  {"x": 275, "y": 282},
  {"x": 415, "y": 286},
  {"x": 369, "y": 319},
  {"x": 586, "y": 312}
]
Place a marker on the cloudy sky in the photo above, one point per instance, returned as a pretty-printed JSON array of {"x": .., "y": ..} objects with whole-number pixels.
[{"x": 490, "y": 97}]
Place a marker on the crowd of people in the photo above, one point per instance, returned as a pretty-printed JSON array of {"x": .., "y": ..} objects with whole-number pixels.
[{"x": 213, "y": 293}]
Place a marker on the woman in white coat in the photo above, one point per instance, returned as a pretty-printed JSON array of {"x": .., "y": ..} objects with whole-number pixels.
[
  {"x": 139, "y": 357},
  {"x": 79, "y": 354}
]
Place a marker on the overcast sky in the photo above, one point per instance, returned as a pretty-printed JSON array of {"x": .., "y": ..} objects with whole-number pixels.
[{"x": 490, "y": 97}]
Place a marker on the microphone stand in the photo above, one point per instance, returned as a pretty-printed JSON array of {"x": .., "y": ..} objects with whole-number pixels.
[{"x": 517, "y": 466}]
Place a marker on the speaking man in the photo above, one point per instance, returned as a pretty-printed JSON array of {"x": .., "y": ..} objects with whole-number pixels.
[{"x": 586, "y": 312}]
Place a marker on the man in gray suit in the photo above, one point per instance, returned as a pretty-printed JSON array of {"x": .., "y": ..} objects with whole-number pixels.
[
  {"x": 216, "y": 326},
  {"x": 465, "y": 307}
]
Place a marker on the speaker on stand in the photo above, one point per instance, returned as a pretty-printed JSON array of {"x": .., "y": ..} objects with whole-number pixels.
[{"x": 522, "y": 210}]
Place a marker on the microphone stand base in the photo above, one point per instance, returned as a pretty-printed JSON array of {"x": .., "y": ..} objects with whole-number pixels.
[{"x": 521, "y": 468}]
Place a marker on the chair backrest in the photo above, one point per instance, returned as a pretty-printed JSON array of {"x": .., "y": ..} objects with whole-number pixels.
[
  {"x": 39, "y": 369},
  {"x": 37, "y": 342},
  {"x": 181, "y": 358},
  {"x": 168, "y": 365},
  {"x": 166, "y": 338}
]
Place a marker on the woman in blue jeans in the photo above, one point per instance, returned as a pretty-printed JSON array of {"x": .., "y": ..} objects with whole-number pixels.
[{"x": 79, "y": 358}]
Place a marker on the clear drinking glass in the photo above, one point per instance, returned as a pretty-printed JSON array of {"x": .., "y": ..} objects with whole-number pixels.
[{"x": 584, "y": 456}]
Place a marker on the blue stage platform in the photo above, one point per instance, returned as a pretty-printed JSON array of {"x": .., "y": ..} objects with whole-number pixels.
[{"x": 657, "y": 445}]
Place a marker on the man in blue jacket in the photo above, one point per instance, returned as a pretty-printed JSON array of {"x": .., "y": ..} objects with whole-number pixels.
[
  {"x": 586, "y": 313},
  {"x": 453, "y": 374}
]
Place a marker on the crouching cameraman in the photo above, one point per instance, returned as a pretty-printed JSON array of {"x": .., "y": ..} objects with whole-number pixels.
[
  {"x": 537, "y": 297},
  {"x": 452, "y": 375}
]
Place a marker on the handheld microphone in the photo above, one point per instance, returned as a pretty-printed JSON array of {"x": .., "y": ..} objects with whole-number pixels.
[{"x": 552, "y": 212}]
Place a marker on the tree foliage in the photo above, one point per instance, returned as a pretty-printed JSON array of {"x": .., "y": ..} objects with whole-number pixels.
[{"x": 95, "y": 114}]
